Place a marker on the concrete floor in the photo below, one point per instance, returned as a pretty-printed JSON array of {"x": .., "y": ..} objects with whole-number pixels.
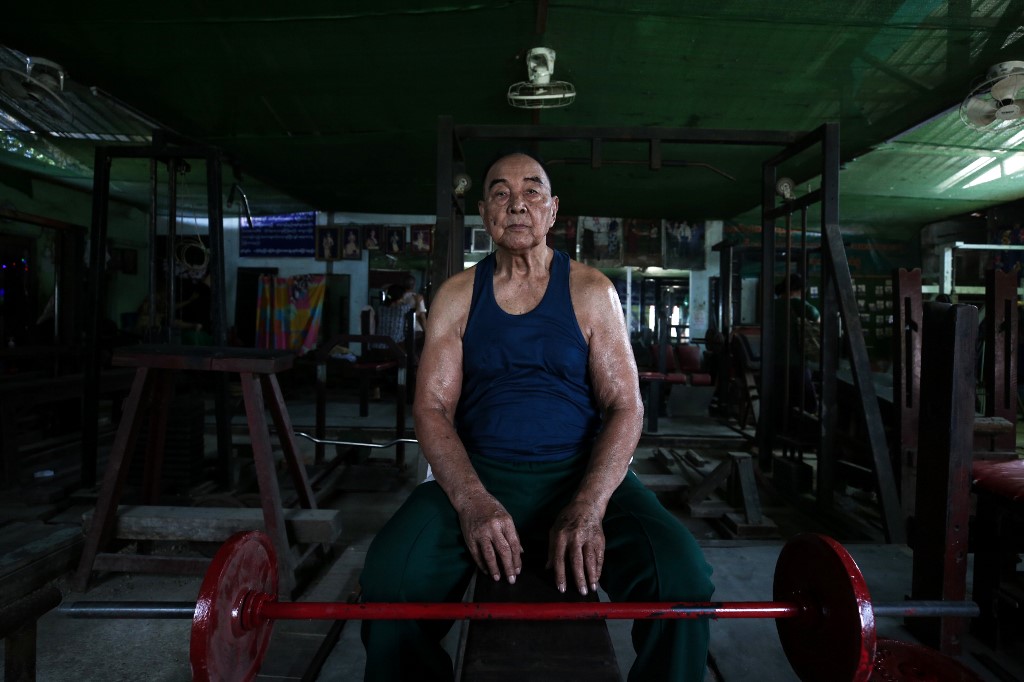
[{"x": 367, "y": 494}]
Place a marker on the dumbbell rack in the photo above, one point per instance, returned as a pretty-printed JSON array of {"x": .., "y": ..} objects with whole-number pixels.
[{"x": 156, "y": 368}]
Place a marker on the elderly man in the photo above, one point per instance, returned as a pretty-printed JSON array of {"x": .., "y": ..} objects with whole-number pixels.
[{"x": 528, "y": 412}]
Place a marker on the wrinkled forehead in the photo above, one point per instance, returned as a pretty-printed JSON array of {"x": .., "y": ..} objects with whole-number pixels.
[{"x": 516, "y": 167}]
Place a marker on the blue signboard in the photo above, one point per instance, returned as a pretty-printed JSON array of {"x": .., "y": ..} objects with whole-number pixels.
[{"x": 278, "y": 236}]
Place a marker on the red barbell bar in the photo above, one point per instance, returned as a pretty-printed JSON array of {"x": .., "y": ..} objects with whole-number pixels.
[{"x": 822, "y": 608}]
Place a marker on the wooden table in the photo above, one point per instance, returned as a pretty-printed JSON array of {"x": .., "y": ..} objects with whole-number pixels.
[{"x": 156, "y": 367}]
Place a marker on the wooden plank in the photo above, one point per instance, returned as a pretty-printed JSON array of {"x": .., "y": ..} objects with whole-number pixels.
[
  {"x": 711, "y": 508},
  {"x": 717, "y": 477},
  {"x": 204, "y": 358},
  {"x": 150, "y": 563},
  {"x": 33, "y": 554},
  {"x": 738, "y": 526},
  {"x": 906, "y": 380},
  {"x": 992, "y": 426},
  {"x": 944, "y": 467},
  {"x": 1000, "y": 365},
  {"x": 661, "y": 483},
  {"x": 744, "y": 471},
  {"x": 540, "y": 651},
  {"x": 216, "y": 524},
  {"x": 888, "y": 496}
]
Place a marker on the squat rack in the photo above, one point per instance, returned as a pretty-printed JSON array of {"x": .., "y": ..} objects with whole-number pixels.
[{"x": 175, "y": 157}]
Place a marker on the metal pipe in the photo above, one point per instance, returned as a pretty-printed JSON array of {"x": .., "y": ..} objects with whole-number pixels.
[
  {"x": 927, "y": 609},
  {"x": 128, "y": 609},
  {"x": 274, "y": 610},
  {"x": 267, "y": 608},
  {"x": 356, "y": 443}
]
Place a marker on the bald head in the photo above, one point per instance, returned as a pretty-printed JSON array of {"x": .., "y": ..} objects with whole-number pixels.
[
  {"x": 518, "y": 207},
  {"x": 541, "y": 176}
]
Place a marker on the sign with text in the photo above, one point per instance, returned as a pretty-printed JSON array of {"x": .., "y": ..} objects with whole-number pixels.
[{"x": 279, "y": 236}]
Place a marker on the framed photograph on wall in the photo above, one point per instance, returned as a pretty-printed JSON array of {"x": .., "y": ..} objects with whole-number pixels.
[
  {"x": 420, "y": 242},
  {"x": 372, "y": 236},
  {"x": 481, "y": 241},
  {"x": 599, "y": 241},
  {"x": 684, "y": 244},
  {"x": 394, "y": 239},
  {"x": 328, "y": 242},
  {"x": 351, "y": 248},
  {"x": 562, "y": 235},
  {"x": 641, "y": 239}
]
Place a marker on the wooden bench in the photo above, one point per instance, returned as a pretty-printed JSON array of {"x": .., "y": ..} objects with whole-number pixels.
[
  {"x": 18, "y": 622},
  {"x": 32, "y": 556},
  {"x": 539, "y": 651},
  {"x": 217, "y": 524}
]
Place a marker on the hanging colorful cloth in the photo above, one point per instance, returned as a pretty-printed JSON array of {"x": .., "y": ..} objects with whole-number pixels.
[{"x": 290, "y": 311}]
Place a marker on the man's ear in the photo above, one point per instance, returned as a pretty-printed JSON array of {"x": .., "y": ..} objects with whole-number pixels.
[{"x": 554, "y": 209}]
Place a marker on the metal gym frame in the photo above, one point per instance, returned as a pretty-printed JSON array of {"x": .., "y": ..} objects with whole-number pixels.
[
  {"x": 838, "y": 304},
  {"x": 174, "y": 157},
  {"x": 451, "y": 210},
  {"x": 839, "y": 299}
]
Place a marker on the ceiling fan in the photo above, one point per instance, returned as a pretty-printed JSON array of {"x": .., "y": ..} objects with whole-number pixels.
[
  {"x": 996, "y": 103},
  {"x": 35, "y": 87},
  {"x": 540, "y": 92}
]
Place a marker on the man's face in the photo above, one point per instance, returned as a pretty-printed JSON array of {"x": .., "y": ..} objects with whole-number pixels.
[{"x": 518, "y": 208}]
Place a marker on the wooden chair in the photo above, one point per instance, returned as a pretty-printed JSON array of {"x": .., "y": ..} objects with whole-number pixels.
[{"x": 368, "y": 372}]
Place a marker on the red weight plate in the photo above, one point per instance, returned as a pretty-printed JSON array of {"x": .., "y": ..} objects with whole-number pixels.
[
  {"x": 897, "y": 661},
  {"x": 221, "y": 650},
  {"x": 833, "y": 640}
]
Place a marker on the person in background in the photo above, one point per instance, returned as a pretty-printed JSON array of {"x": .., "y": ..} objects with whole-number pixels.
[
  {"x": 793, "y": 313},
  {"x": 391, "y": 316},
  {"x": 195, "y": 311},
  {"x": 415, "y": 299},
  {"x": 528, "y": 412}
]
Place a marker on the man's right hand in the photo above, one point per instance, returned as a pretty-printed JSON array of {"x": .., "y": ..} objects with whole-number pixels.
[{"x": 491, "y": 537}]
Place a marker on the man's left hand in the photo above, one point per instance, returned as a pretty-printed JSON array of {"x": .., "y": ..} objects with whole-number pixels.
[{"x": 576, "y": 547}]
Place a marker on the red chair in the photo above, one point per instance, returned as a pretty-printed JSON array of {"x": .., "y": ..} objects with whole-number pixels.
[
  {"x": 673, "y": 374},
  {"x": 651, "y": 382},
  {"x": 689, "y": 364}
]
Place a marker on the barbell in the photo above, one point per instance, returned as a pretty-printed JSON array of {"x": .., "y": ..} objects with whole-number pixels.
[
  {"x": 822, "y": 608},
  {"x": 325, "y": 441}
]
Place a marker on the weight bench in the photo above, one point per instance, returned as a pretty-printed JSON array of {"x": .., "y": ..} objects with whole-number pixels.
[
  {"x": 998, "y": 528},
  {"x": 539, "y": 651}
]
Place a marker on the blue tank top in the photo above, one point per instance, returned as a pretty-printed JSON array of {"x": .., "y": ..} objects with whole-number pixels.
[{"x": 526, "y": 391}]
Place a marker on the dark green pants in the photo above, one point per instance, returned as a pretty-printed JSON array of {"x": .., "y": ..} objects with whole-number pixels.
[{"x": 419, "y": 555}]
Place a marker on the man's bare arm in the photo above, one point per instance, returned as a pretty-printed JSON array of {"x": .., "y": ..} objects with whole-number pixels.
[
  {"x": 576, "y": 547},
  {"x": 487, "y": 527}
]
